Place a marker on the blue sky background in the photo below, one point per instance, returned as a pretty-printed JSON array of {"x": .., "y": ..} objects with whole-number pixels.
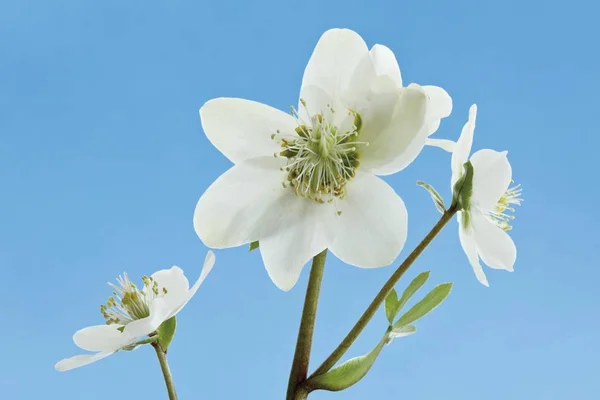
[{"x": 102, "y": 159}]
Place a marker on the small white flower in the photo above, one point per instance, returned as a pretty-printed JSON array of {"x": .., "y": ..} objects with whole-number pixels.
[
  {"x": 305, "y": 182},
  {"x": 132, "y": 313},
  {"x": 484, "y": 222}
]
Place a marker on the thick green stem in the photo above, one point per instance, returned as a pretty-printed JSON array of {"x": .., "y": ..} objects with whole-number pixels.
[
  {"x": 164, "y": 366},
  {"x": 337, "y": 354},
  {"x": 307, "y": 326}
]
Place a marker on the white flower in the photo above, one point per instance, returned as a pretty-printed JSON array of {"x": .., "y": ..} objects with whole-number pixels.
[
  {"x": 483, "y": 224},
  {"x": 305, "y": 182},
  {"x": 132, "y": 313}
]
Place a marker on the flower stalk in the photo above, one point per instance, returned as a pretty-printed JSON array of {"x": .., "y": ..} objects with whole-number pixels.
[
  {"x": 164, "y": 366},
  {"x": 299, "y": 369},
  {"x": 339, "y": 352}
]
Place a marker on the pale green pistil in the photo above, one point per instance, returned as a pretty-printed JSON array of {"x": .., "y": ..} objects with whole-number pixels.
[{"x": 321, "y": 158}]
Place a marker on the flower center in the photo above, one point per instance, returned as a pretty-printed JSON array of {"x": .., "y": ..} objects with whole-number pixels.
[
  {"x": 499, "y": 213},
  {"x": 323, "y": 156},
  {"x": 129, "y": 303}
]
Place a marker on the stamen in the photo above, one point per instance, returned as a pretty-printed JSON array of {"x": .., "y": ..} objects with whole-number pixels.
[
  {"x": 498, "y": 214},
  {"x": 321, "y": 157},
  {"x": 129, "y": 303}
]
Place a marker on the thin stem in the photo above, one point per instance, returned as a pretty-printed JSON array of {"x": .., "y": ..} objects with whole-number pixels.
[
  {"x": 307, "y": 325},
  {"x": 337, "y": 354},
  {"x": 164, "y": 366}
]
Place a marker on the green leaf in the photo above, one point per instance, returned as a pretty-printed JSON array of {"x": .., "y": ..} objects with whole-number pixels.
[
  {"x": 433, "y": 299},
  {"x": 438, "y": 201},
  {"x": 400, "y": 331},
  {"x": 348, "y": 373},
  {"x": 412, "y": 288},
  {"x": 253, "y": 245},
  {"x": 391, "y": 306},
  {"x": 166, "y": 331}
]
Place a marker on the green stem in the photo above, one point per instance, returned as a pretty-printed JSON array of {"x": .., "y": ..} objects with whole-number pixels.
[
  {"x": 164, "y": 366},
  {"x": 337, "y": 354},
  {"x": 307, "y": 325}
]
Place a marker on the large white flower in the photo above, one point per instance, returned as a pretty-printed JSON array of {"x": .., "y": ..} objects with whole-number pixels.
[
  {"x": 132, "y": 314},
  {"x": 483, "y": 223},
  {"x": 305, "y": 182}
]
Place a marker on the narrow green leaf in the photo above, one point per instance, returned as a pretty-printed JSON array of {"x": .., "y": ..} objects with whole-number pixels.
[
  {"x": 253, "y": 245},
  {"x": 438, "y": 201},
  {"x": 166, "y": 332},
  {"x": 391, "y": 306},
  {"x": 348, "y": 373},
  {"x": 402, "y": 331},
  {"x": 412, "y": 288},
  {"x": 433, "y": 299}
]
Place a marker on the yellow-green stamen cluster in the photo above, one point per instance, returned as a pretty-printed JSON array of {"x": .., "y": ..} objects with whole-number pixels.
[
  {"x": 321, "y": 157},
  {"x": 129, "y": 303},
  {"x": 498, "y": 214}
]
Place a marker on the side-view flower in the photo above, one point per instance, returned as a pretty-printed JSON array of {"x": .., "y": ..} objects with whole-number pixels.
[
  {"x": 132, "y": 313},
  {"x": 483, "y": 220},
  {"x": 306, "y": 182}
]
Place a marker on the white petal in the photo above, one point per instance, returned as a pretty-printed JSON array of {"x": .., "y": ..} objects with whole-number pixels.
[
  {"x": 373, "y": 224},
  {"x": 376, "y": 108},
  {"x": 242, "y": 129},
  {"x": 494, "y": 245},
  {"x": 100, "y": 338},
  {"x": 385, "y": 63},
  {"x": 209, "y": 262},
  {"x": 444, "y": 144},
  {"x": 333, "y": 61},
  {"x": 359, "y": 85},
  {"x": 80, "y": 360},
  {"x": 467, "y": 241},
  {"x": 438, "y": 107},
  {"x": 314, "y": 101},
  {"x": 235, "y": 209},
  {"x": 176, "y": 284},
  {"x": 492, "y": 174},
  {"x": 463, "y": 146},
  {"x": 159, "y": 312},
  {"x": 394, "y": 148},
  {"x": 305, "y": 228}
]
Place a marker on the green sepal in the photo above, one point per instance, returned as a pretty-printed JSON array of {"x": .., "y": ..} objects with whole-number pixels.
[
  {"x": 438, "y": 201},
  {"x": 253, "y": 245},
  {"x": 412, "y": 288},
  {"x": 166, "y": 332},
  {"x": 433, "y": 299},
  {"x": 134, "y": 346},
  {"x": 348, "y": 373},
  {"x": 463, "y": 188},
  {"x": 391, "y": 306}
]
